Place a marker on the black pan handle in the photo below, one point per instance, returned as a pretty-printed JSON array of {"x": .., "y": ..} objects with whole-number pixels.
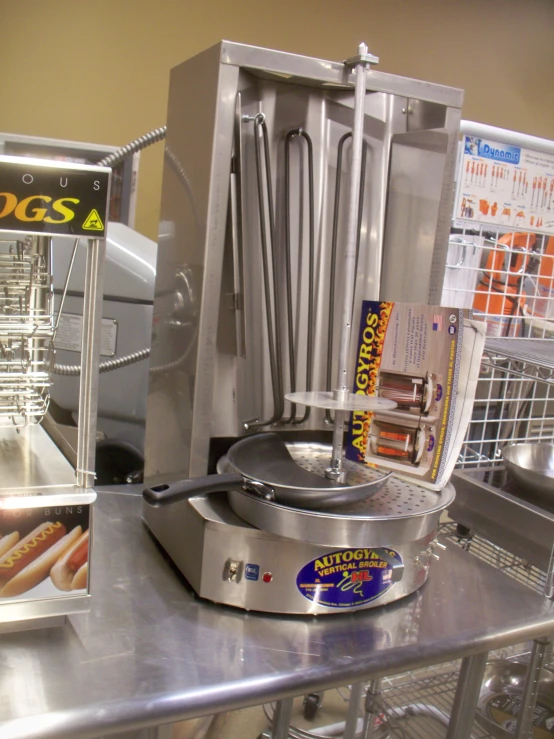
[{"x": 166, "y": 493}]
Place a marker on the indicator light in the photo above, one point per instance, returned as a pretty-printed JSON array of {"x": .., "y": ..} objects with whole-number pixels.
[{"x": 267, "y": 577}]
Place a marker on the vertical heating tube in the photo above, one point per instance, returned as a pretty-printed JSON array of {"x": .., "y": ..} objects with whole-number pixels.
[
  {"x": 90, "y": 359},
  {"x": 311, "y": 273},
  {"x": 272, "y": 312},
  {"x": 334, "y": 240},
  {"x": 342, "y": 391}
]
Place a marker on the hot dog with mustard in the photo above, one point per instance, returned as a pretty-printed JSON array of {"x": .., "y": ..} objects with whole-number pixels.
[{"x": 30, "y": 560}]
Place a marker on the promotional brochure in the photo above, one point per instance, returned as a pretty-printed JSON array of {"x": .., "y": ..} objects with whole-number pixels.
[
  {"x": 427, "y": 359},
  {"x": 505, "y": 186}
]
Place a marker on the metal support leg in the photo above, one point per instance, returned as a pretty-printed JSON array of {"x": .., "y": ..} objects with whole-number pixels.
[
  {"x": 549, "y": 585},
  {"x": 281, "y": 719},
  {"x": 90, "y": 358},
  {"x": 371, "y": 709},
  {"x": 466, "y": 697},
  {"x": 356, "y": 692},
  {"x": 524, "y": 726}
]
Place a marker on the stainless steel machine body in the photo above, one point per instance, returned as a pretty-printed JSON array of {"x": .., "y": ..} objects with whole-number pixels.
[
  {"x": 251, "y": 208},
  {"x": 263, "y": 210},
  {"x": 228, "y": 561}
]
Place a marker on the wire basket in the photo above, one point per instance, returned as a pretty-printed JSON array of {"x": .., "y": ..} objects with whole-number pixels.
[{"x": 26, "y": 330}]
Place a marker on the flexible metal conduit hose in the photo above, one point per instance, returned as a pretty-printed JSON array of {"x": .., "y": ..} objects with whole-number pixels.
[
  {"x": 112, "y": 160},
  {"x": 126, "y": 151},
  {"x": 72, "y": 370}
]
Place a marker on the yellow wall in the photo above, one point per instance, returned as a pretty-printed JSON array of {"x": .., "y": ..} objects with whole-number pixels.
[{"x": 98, "y": 71}]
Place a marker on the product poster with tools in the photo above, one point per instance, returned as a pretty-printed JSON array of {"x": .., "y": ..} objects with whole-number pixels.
[
  {"x": 505, "y": 186},
  {"x": 44, "y": 552},
  {"x": 410, "y": 354}
]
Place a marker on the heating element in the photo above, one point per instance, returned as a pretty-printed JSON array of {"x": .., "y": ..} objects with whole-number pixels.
[{"x": 26, "y": 329}]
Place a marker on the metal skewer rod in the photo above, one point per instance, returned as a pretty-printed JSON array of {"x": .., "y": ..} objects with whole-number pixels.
[{"x": 342, "y": 390}]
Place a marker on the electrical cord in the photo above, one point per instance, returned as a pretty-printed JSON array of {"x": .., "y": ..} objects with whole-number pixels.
[
  {"x": 112, "y": 160},
  {"x": 158, "y": 134}
]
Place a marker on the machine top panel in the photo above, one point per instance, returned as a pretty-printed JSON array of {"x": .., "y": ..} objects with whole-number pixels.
[{"x": 304, "y": 70}]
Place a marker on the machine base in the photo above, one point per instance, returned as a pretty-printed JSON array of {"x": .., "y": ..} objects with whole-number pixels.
[{"x": 227, "y": 561}]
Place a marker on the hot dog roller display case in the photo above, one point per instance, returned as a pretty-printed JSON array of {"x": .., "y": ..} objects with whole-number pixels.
[
  {"x": 45, "y": 506},
  {"x": 292, "y": 189}
]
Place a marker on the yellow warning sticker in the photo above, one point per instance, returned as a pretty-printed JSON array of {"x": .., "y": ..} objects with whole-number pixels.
[{"x": 93, "y": 222}]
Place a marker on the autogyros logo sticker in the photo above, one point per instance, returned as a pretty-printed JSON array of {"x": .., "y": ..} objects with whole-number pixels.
[{"x": 347, "y": 577}]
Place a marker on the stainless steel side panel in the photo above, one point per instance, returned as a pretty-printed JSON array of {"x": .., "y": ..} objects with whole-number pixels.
[{"x": 193, "y": 217}]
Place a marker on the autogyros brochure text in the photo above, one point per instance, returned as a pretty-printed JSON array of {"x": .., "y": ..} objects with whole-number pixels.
[{"x": 426, "y": 359}]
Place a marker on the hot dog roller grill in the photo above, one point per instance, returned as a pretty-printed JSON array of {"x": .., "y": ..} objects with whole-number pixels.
[
  {"x": 40, "y": 491},
  {"x": 293, "y": 189}
]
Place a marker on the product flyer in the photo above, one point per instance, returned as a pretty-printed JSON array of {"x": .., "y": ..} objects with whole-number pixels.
[
  {"x": 505, "y": 186},
  {"x": 413, "y": 354}
]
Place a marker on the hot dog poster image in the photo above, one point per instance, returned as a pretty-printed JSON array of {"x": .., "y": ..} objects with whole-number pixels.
[{"x": 44, "y": 552}]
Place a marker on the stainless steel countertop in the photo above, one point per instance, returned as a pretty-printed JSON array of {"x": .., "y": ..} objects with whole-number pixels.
[{"x": 149, "y": 652}]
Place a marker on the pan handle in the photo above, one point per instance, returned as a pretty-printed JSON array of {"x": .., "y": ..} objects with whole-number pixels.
[{"x": 166, "y": 493}]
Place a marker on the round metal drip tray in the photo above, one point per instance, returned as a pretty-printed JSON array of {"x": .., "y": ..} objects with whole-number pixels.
[{"x": 400, "y": 512}]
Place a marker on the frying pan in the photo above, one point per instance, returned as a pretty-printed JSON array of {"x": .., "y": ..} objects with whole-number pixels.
[{"x": 265, "y": 467}]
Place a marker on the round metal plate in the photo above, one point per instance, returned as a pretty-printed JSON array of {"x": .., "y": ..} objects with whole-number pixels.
[{"x": 354, "y": 402}]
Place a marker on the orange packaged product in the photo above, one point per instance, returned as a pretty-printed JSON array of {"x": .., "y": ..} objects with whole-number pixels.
[{"x": 498, "y": 292}]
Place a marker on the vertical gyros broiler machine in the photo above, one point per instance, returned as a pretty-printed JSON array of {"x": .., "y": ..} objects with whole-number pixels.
[
  {"x": 294, "y": 189},
  {"x": 45, "y": 506}
]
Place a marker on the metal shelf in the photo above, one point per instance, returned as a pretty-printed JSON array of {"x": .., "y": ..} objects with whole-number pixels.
[
  {"x": 497, "y": 557},
  {"x": 538, "y": 353}
]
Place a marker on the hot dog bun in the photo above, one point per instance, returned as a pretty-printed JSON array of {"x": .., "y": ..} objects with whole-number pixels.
[
  {"x": 70, "y": 565},
  {"x": 8, "y": 542},
  {"x": 38, "y": 570},
  {"x": 81, "y": 578}
]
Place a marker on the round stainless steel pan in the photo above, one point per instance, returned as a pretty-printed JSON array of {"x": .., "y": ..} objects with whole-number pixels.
[
  {"x": 262, "y": 465},
  {"x": 532, "y": 466},
  {"x": 399, "y": 512}
]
